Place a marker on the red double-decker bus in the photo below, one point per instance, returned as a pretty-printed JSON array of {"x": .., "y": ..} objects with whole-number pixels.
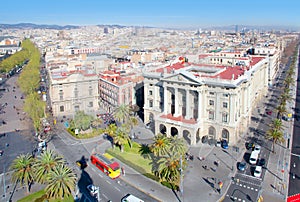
[{"x": 105, "y": 163}]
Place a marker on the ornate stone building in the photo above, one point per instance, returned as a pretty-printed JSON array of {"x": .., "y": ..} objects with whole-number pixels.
[
  {"x": 205, "y": 102},
  {"x": 73, "y": 90}
]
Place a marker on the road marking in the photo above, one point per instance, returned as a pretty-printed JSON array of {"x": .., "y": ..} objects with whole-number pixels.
[
  {"x": 105, "y": 196},
  {"x": 235, "y": 198},
  {"x": 246, "y": 182},
  {"x": 100, "y": 175},
  {"x": 249, "y": 176},
  {"x": 108, "y": 182},
  {"x": 248, "y": 187},
  {"x": 118, "y": 189}
]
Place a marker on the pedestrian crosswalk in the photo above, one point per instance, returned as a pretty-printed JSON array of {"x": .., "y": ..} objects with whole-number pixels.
[{"x": 246, "y": 186}]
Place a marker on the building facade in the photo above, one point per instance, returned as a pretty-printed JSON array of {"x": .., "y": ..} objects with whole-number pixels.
[
  {"x": 205, "y": 102},
  {"x": 71, "y": 91}
]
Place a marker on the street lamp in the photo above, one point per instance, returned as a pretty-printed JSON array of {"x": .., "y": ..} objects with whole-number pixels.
[{"x": 181, "y": 178}]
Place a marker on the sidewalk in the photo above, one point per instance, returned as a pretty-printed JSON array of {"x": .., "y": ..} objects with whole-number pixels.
[{"x": 276, "y": 182}]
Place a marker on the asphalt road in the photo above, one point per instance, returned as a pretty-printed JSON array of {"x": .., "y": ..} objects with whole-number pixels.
[
  {"x": 244, "y": 186},
  {"x": 294, "y": 178},
  {"x": 110, "y": 189}
]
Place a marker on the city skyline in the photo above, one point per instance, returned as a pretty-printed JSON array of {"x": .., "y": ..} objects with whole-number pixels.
[{"x": 155, "y": 13}]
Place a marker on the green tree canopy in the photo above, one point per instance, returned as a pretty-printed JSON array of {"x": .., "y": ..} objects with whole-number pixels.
[
  {"x": 82, "y": 121},
  {"x": 22, "y": 170},
  {"x": 45, "y": 163},
  {"x": 61, "y": 182}
]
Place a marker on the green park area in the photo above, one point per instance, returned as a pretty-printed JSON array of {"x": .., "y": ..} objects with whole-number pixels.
[{"x": 40, "y": 196}]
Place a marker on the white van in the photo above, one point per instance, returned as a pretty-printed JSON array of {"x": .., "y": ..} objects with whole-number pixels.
[
  {"x": 253, "y": 157},
  {"x": 131, "y": 198}
]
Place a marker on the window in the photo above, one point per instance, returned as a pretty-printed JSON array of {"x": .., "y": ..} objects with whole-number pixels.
[
  {"x": 211, "y": 93},
  {"x": 76, "y": 108},
  {"x": 225, "y": 95},
  {"x": 61, "y": 108},
  {"x": 61, "y": 95},
  {"x": 90, "y": 104},
  {"x": 150, "y": 103},
  {"x": 76, "y": 92},
  {"x": 211, "y": 103},
  {"x": 225, "y": 104},
  {"x": 90, "y": 91},
  {"x": 225, "y": 118},
  {"x": 211, "y": 115},
  {"x": 150, "y": 92}
]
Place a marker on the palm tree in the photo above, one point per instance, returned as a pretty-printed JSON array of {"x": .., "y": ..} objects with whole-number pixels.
[
  {"x": 276, "y": 136},
  {"x": 281, "y": 109},
  {"x": 46, "y": 163},
  {"x": 289, "y": 80},
  {"x": 111, "y": 130},
  {"x": 22, "y": 170},
  {"x": 276, "y": 124},
  {"x": 169, "y": 170},
  {"x": 178, "y": 146},
  {"x": 122, "y": 112},
  {"x": 61, "y": 182},
  {"x": 161, "y": 145},
  {"x": 122, "y": 137}
]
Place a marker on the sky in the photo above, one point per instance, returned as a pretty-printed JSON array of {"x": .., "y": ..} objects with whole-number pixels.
[{"x": 158, "y": 13}]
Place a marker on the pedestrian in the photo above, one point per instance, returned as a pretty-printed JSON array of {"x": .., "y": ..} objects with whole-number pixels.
[{"x": 123, "y": 171}]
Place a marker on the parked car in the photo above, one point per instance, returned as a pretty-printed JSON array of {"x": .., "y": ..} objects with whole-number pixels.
[
  {"x": 269, "y": 112},
  {"x": 257, "y": 148},
  {"x": 224, "y": 144},
  {"x": 261, "y": 162},
  {"x": 253, "y": 158},
  {"x": 257, "y": 171},
  {"x": 242, "y": 166}
]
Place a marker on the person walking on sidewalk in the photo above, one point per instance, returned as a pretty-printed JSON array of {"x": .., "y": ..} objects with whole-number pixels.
[{"x": 123, "y": 171}]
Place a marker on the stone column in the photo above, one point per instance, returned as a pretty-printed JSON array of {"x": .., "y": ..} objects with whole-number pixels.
[
  {"x": 166, "y": 100},
  {"x": 180, "y": 103},
  {"x": 188, "y": 105},
  {"x": 199, "y": 106},
  {"x": 176, "y": 113},
  {"x": 193, "y": 137}
]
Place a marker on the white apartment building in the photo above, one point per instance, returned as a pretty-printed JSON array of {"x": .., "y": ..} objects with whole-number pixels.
[
  {"x": 73, "y": 90},
  {"x": 205, "y": 101}
]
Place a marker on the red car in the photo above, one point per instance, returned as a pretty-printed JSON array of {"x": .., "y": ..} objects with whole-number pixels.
[
  {"x": 47, "y": 129},
  {"x": 269, "y": 112}
]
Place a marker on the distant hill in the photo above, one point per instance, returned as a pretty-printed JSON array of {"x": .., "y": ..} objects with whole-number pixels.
[
  {"x": 212, "y": 27},
  {"x": 36, "y": 26}
]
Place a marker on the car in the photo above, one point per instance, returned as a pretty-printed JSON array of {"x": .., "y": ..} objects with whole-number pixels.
[
  {"x": 261, "y": 162},
  {"x": 257, "y": 171},
  {"x": 93, "y": 190},
  {"x": 269, "y": 112},
  {"x": 253, "y": 158},
  {"x": 242, "y": 166},
  {"x": 218, "y": 143},
  {"x": 224, "y": 144},
  {"x": 257, "y": 148}
]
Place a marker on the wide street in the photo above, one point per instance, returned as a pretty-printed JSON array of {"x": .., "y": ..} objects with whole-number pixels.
[{"x": 294, "y": 177}]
